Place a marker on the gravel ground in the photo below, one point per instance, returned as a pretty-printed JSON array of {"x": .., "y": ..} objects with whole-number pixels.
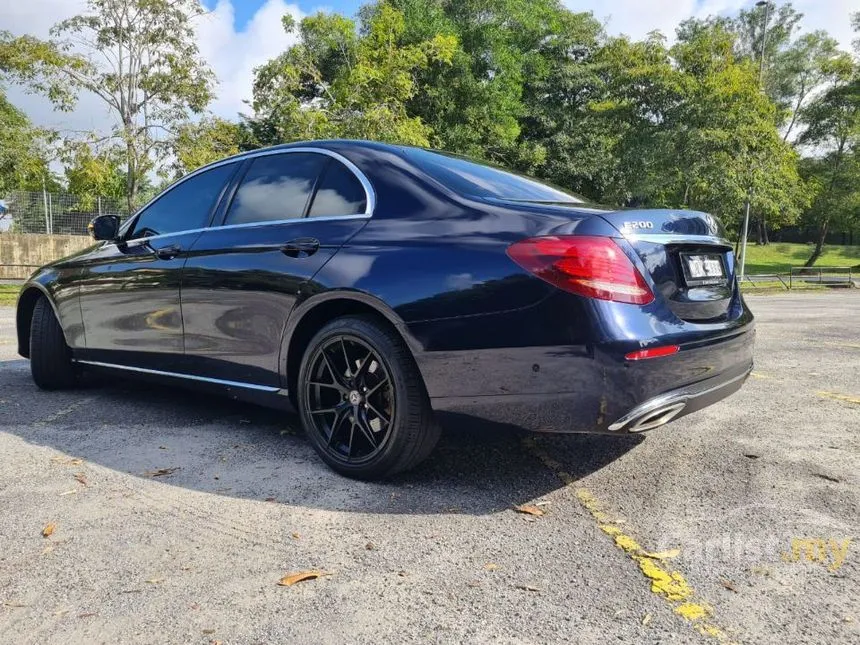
[{"x": 735, "y": 524}]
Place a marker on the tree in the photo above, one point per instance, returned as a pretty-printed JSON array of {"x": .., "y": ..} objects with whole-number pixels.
[
  {"x": 833, "y": 126},
  {"x": 344, "y": 81},
  {"x": 23, "y": 154},
  {"x": 138, "y": 57},
  {"x": 208, "y": 140},
  {"x": 93, "y": 175}
]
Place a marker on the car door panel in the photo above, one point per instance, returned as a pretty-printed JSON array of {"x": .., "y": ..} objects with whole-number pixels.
[
  {"x": 238, "y": 289},
  {"x": 130, "y": 289},
  {"x": 129, "y": 300},
  {"x": 243, "y": 278}
]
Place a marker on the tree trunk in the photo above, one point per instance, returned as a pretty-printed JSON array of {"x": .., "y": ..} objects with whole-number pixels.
[
  {"x": 758, "y": 235},
  {"x": 765, "y": 240},
  {"x": 819, "y": 243}
]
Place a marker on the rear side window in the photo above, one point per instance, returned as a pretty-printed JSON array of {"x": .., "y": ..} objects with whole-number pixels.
[
  {"x": 477, "y": 179},
  {"x": 339, "y": 193},
  {"x": 184, "y": 207},
  {"x": 276, "y": 187}
]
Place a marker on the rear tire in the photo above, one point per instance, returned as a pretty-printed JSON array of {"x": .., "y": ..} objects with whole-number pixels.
[
  {"x": 379, "y": 421},
  {"x": 50, "y": 359}
]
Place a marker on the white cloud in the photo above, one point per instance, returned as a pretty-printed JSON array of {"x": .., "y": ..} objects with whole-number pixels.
[
  {"x": 234, "y": 55},
  {"x": 636, "y": 18}
]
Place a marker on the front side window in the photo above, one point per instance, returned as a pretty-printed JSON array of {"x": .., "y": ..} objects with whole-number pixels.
[
  {"x": 476, "y": 179},
  {"x": 184, "y": 207},
  {"x": 339, "y": 193},
  {"x": 276, "y": 187}
]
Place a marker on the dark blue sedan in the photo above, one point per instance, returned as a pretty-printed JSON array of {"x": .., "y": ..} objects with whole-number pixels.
[{"x": 369, "y": 285}]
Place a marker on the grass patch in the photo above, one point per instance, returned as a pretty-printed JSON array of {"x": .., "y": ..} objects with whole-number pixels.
[
  {"x": 9, "y": 294},
  {"x": 779, "y": 257}
]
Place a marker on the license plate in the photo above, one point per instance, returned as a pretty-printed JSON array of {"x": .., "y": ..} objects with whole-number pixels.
[{"x": 703, "y": 269}]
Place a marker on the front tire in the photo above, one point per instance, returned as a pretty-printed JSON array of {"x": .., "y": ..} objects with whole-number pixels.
[
  {"x": 50, "y": 359},
  {"x": 362, "y": 400}
]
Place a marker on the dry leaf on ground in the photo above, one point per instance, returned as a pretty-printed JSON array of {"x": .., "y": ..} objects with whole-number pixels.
[
  {"x": 491, "y": 566},
  {"x": 293, "y": 578},
  {"x": 527, "y": 588},
  {"x": 48, "y": 530},
  {"x": 646, "y": 619},
  {"x": 161, "y": 472},
  {"x": 81, "y": 479},
  {"x": 728, "y": 584},
  {"x": 528, "y": 509}
]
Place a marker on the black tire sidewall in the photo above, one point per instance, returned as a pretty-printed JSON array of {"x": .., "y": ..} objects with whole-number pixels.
[{"x": 400, "y": 435}]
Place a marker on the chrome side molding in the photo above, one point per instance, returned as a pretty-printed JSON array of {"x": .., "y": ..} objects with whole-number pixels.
[{"x": 190, "y": 377}]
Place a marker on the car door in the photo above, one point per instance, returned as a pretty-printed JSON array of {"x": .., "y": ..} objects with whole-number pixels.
[
  {"x": 129, "y": 289},
  {"x": 289, "y": 214}
]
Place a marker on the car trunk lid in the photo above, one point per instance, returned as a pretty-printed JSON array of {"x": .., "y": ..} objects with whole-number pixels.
[{"x": 687, "y": 256}]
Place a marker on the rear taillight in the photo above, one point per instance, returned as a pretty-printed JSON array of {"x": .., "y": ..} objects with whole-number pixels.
[{"x": 589, "y": 266}]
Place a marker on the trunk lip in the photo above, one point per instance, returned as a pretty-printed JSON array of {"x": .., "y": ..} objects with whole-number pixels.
[{"x": 667, "y": 239}]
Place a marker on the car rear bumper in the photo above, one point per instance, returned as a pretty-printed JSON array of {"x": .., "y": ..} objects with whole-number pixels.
[{"x": 594, "y": 390}]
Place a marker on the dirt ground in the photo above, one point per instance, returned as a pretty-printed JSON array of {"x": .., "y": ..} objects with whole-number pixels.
[{"x": 175, "y": 515}]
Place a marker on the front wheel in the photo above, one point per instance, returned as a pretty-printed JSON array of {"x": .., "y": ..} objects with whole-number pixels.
[
  {"x": 362, "y": 400},
  {"x": 50, "y": 359}
]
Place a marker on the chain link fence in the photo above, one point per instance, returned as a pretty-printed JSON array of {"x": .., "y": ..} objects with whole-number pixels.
[{"x": 53, "y": 213}]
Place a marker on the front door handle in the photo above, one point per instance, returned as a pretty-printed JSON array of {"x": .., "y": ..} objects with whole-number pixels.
[
  {"x": 168, "y": 252},
  {"x": 301, "y": 248}
]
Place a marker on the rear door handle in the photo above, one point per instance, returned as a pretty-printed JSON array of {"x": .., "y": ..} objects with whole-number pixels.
[
  {"x": 301, "y": 248},
  {"x": 168, "y": 252}
]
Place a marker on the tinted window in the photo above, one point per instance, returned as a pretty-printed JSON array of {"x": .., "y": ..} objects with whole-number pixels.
[
  {"x": 275, "y": 187},
  {"x": 480, "y": 180},
  {"x": 185, "y": 207},
  {"x": 339, "y": 193}
]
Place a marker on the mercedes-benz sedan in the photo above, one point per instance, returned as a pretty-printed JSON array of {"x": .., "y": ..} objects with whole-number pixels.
[{"x": 369, "y": 285}]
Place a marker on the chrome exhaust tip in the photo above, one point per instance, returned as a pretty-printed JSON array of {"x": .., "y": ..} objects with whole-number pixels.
[{"x": 656, "y": 418}]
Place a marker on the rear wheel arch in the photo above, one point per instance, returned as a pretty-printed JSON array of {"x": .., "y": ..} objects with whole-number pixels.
[{"x": 313, "y": 314}]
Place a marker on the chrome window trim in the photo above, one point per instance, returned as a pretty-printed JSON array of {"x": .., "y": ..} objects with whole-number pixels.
[
  {"x": 369, "y": 192},
  {"x": 191, "y": 377}
]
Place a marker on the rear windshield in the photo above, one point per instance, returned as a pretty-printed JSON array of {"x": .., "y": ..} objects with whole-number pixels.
[{"x": 477, "y": 179}]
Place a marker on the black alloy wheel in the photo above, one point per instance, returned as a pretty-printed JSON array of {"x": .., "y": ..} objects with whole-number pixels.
[
  {"x": 362, "y": 400},
  {"x": 351, "y": 398}
]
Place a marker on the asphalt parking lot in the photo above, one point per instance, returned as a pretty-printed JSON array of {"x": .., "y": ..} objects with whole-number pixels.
[{"x": 176, "y": 514}]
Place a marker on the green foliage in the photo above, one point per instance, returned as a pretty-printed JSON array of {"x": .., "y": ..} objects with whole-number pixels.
[
  {"x": 93, "y": 174},
  {"x": 208, "y": 140},
  {"x": 338, "y": 81},
  {"x": 23, "y": 156},
  {"x": 139, "y": 57}
]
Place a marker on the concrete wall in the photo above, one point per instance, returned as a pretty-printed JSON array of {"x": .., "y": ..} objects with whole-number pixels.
[{"x": 21, "y": 254}]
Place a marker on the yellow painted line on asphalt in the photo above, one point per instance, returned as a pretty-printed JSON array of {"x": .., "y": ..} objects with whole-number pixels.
[
  {"x": 59, "y": 414},
  {"x": 670, "y": 585},
  {"x": 839, "y": 397}
]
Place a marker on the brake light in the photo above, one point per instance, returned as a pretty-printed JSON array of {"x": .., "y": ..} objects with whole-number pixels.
[
  {"x": 589, "y": 266},
  {"x": 652, "y": 352}
]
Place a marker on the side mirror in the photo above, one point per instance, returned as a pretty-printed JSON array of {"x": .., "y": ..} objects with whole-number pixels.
[{"x": 104, "y": 227}]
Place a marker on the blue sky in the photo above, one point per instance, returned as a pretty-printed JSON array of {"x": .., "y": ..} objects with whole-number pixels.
[{"x": 245, "y": 9}]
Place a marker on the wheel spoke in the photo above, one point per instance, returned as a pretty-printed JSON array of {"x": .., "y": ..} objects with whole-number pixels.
[
  {"x": 325, "y": 411},
  {"x": 366, "y": 430},
  {"x": 379, "y": 414},
  {"x": 368, "y": 394},
  {"x": 359, "y": 373},
  {"x": 340, "y": 415},
  {"x": 330, "y": 386},
  {"x": 351, "y": 435},
  {"x": 335, "y": 376},
  {"x": 345, "y": 358}
]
